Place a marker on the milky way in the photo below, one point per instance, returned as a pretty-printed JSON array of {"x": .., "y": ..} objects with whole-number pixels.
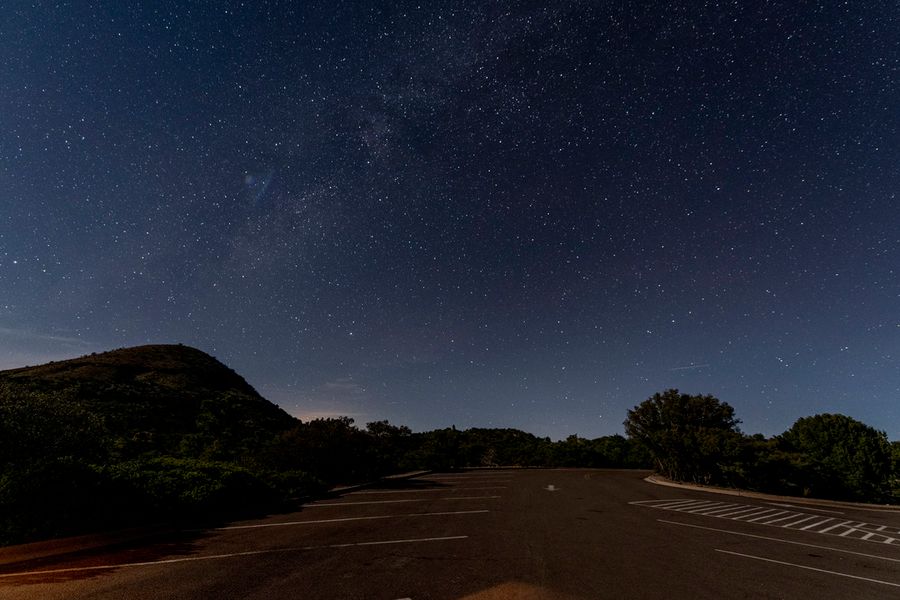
[{"x": 473, "y": 214}]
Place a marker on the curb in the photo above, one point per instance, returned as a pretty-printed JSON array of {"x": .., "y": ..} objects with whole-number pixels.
[{"x": 658, "y": 480}]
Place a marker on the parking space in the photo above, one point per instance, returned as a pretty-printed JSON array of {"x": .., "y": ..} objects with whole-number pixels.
[
  {"x": 492, "y": 534},
  {"x": 405, "y": 520},
  {"x": 780, "y": 540},
  {"x": 785, "y": 519}
]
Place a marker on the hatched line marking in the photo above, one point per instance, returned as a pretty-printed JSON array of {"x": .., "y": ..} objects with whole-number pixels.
[{"x": 796, "y": 521}]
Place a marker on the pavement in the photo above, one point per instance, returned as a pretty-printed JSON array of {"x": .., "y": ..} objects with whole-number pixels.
[
  {"x": 531, "y": 534},
  {"x": 659, "y": 480},
  {"x": 110, "y": 539}
]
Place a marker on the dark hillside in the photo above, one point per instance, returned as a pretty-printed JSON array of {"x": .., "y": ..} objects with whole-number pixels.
[
  {"x": 132, "y": 436},
  {"x": 176, "y": 367},
  {"x": 168, "y": 399}
]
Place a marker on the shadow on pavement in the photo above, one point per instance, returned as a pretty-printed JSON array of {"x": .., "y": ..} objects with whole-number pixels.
[{"x": 86, "y": 564}]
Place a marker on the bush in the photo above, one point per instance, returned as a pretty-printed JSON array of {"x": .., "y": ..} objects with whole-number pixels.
[
  {"x": 839, "y": 457},
  {"x": 51, "y": 498},
  {"x": 176, "y": 488},
  {"x": 691, "y": 438}
]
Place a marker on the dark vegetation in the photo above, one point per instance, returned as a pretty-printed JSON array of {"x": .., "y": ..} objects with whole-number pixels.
[
  {"x": 696, "y": 439},
  {"x": 167, "y": 434}
]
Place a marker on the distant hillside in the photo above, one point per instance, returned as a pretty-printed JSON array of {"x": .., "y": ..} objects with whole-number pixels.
[
  {"x": 138, "y": 435},
  {"x": 169, "y": 399},
  {"x": 176, "y": 367}
]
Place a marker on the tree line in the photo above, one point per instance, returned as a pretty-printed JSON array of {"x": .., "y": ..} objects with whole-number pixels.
[
  {"x": 90, "y": 458},
  {"x": 695, "y": 438},
  {"x": 94, "y": 457}
]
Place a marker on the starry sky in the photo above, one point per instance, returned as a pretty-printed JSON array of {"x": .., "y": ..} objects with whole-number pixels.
[{"x": 498, "y": 214}]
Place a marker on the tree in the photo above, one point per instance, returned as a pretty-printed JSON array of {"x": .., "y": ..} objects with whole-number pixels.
[
  {"x": 840, "y": 457},
  {"x": 689, "y": 437}
]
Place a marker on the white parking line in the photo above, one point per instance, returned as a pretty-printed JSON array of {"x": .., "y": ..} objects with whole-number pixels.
[
  {"x": 318, "y": 521},
  {"x": 811, "y": 525},
  {"x": 781, "y": 562},
  {"x": 711, "y": 509},
  {"x": 366, "y": 502},
  {"x": 492, "y": 487},
  {"x": 356, "y": 503},
  {"x": 805, "y": 507},
  {"x": 470, "y": 498},
  {"x": 804, "y": 520},
  {"x": 671, "y": 503},
  {"x": 738, "y": 512},
  {"x": 485, "y": 480},
  {"x": 467, "y": 475},
  {"x": 755, "y": 519},
  {"x": 780, "y": 540},
  {"x": 792, "y": 515},
  {"x": 827, "y": 529},
  {"x": 170, "y": 561}
]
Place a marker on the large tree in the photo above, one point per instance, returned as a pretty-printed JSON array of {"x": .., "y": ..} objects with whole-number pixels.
[
  {"x": 689, "y": 437},
  {"x": 840, "y": 457}
]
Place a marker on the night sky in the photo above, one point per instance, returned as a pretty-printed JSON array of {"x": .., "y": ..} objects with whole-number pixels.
[{"x": 496, "y": 214}]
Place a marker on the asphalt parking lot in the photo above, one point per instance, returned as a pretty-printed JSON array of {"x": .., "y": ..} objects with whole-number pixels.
[{"x": 502, "y": 534}]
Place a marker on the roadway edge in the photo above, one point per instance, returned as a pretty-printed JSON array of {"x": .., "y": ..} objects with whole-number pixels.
[{"x": 660, "y": 480}]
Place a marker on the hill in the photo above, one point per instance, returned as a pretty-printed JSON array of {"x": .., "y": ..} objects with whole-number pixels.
[
  {"x": 176, "y": 367},
  {"x": 132, "y": 436},
  {"x": 169, "y": 399}
]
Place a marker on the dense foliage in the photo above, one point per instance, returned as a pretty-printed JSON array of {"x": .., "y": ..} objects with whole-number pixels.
[
  {"x": 167, "y": 433},
  {"x": 841, "y": 457},
  {"x": 689, "y": 436},
  {"x": 695, "y": 438}
]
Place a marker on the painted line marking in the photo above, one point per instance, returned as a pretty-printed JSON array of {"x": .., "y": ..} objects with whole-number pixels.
[
  {"x": 448, "y": 481},
  {"x": 366, "y": 502},
  {"x": 461, "y": 480},
  {"x": 781, "y": 504},
  {"x": 811, "y": 525},
  {"x": 827, "y": 529},
  {"x": 318, "y": 521},
  {"x": 492, "y": 487},
  {"x": 170, "y": 561},
  {"x": 792, "y": 515},
  {"x": 783, "y": 541},
  {"x": 356, "y": 503},
  {"x": 696, "y": 504},
  {"x": 470, "y": 474},
  {"x": 470, "y": 498},
  {"x": 797, "y": 521},
  {"x": 752, "y": 509},
  {"x": 711, "y": 509},
  {"x": 792, "y": 523},
  {"x": 672, "y": 503},
  {"x": 755, "y": 519},
  {"x": 756, "y": 514},
  {"x": 781, "y": 562}
]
